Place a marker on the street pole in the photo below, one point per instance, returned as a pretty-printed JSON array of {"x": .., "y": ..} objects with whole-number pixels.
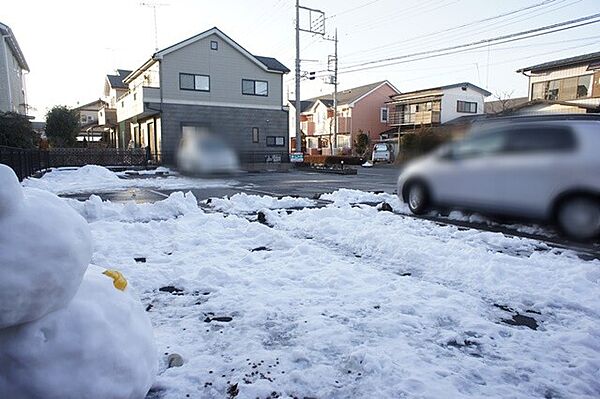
[
  {"x": 298, "y": 133},
  {"x": 335, "y": 86}
]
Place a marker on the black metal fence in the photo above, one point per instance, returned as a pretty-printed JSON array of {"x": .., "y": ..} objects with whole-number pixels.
[
  {"x": 24, "y": 162},
  {"x": 98, "y": 156}
]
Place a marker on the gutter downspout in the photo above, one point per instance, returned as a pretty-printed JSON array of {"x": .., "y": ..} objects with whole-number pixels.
[{"x": 7, "y": 72}]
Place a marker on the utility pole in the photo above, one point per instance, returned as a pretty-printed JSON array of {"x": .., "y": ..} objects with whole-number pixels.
[
  {"x": 335, "y": 87},
  {"x": 316, "y": 20},
  {"x": 298, "y": 132},
  {"x": 334, "y": 80}
]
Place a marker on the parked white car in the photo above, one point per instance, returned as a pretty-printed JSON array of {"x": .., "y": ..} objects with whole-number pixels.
[
  {"x": 382, "y": 153},
  {"x": 545, "y": 168},
  {"x": 205, "y": 154}
]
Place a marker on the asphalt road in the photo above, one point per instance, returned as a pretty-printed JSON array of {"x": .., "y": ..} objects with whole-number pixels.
[{"x": 293, "y": 183}]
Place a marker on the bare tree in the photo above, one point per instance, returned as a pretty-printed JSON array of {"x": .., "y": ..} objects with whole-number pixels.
[{"x": 503, "y": 102}]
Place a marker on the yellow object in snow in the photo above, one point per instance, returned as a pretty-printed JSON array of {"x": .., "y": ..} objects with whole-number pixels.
[{"x": 118, "y": 280}]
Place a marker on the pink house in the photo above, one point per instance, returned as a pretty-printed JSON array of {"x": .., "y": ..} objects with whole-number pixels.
[{"x": 359, "y": 110}]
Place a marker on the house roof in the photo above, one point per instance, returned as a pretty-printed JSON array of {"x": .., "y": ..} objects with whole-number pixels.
[
  {"x": 571, "y": 61},
  {"x": 14, "y": 46},
  {"x": 99, "y": 103},
  {"x": 116, "y": 81},
  {"x": 492, "y": 107},
  {"x": 549, "y": 102},
  {"x": 272, "y": 64},
  {"x": 267, "y": 63},
  {"x": 450, "y": 86},
  {"x": 351, "y": 95}
]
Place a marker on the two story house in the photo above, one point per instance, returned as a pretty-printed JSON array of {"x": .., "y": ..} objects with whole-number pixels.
[
  {"x": 569, "y": 85},
  {"x": 114, "y": 88},
  {"x": 359, "y": 110},
  {"x": 410, "y": 111},
  {"x": 12, "y": 69},
  {"x": 90, "y": 131},
  {"x": 207, "y": 82}
]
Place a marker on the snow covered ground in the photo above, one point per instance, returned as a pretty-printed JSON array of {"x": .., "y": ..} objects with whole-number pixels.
[
  {"x": 347, "y": 301},
  {"x": 92, "y": 178}
]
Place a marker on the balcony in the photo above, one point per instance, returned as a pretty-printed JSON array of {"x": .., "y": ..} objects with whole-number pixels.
[
  {"x": 416, "y": 118},
  {"x": 107, "y": 116},
  {"x": 134, "y": 104}
]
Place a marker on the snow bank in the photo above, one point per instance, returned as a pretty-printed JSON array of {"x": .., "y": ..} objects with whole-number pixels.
[
  {"x": 350, "y": 302},
  {"x": 346, "y": 196},
  {"x": 175, "y": 205},
  {"x": 45, "y": 248},
  {"x": 93, "y": 178},
  {"x": 99, "y": 346},
  {"x": 244, "y": 203}
]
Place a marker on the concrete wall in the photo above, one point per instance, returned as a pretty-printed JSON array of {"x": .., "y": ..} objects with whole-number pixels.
[
  {"x": 452, "y": 95},
  {"x": 12, "y": 92},
  {"x": 226, "y": 67},
  {"x": 233, "y": 125}
]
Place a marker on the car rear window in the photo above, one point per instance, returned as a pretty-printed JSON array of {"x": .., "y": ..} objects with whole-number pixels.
[{"x": 540, "y": 139}]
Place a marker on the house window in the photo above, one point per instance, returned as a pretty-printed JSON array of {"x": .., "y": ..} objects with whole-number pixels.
[
  {"x": 188, "y": 81},
  {"x": 83, "y": 119},
  {"x": 562, "y": 89},
  {"x": 214, "y": 45},
  {"x": 275, "y": 141},
  {"x": 255, "y": 135},
  {"x": 383, "y": 115},
  {"x": 134, "y": 96},
  {"x": 255, "y": 87},
  {"x": 466, "y": 106},
  {"x": 584, "y": 86}
]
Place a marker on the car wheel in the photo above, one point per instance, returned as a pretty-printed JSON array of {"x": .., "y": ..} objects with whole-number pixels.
[
  {"x": 417, "y": 198},
  {"x": 579, "y": 217}
]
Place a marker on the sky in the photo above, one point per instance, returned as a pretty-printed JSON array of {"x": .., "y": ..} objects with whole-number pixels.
[{"x": 71, "y": 45}]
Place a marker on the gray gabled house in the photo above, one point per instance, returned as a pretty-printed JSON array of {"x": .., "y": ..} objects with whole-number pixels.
[{"x": 210, "y": 82}]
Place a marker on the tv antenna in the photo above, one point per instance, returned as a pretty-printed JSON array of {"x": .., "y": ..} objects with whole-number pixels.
[{"x": 154, "y": 6}]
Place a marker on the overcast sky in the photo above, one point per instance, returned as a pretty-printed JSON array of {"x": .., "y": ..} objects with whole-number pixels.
[{"x": 71, "y": 45}]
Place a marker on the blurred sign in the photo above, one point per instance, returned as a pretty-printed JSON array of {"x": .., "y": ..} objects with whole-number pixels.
[{"x": 297, "y": 157}]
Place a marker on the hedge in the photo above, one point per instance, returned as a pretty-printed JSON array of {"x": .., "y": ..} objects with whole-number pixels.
[{"x": 332, "y": 160}]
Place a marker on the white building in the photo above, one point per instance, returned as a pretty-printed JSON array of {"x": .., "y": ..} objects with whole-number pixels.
[
  {"x": 12, "y": 68},
  {"x": 430, "y": 107}
]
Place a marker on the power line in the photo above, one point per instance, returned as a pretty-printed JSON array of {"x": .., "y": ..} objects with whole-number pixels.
[
  {"x": 510, "y": 37},
  {"x": 352, "y": 9},
  {"x": 454, "y": 28}
]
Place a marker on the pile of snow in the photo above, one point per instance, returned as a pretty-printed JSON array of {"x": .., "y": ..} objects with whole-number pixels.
[
  {"x": 93, "y": 178},
  {"x": 98, "y": 346},
  {"x": 244, "y": 203},
  {"x": 175, "y": 205},
  {"x": 351, "y": 302},
  {"x": 66, "y": 330},
  {"x": 45, "y": 248},
  {"x": 345, "y": 197}
]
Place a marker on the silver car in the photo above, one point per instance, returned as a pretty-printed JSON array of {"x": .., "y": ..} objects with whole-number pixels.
[
  {"x": 201, "y": 153},
  {"x": 544, "y": 168},
  {"x": 382, "y": 153}
]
